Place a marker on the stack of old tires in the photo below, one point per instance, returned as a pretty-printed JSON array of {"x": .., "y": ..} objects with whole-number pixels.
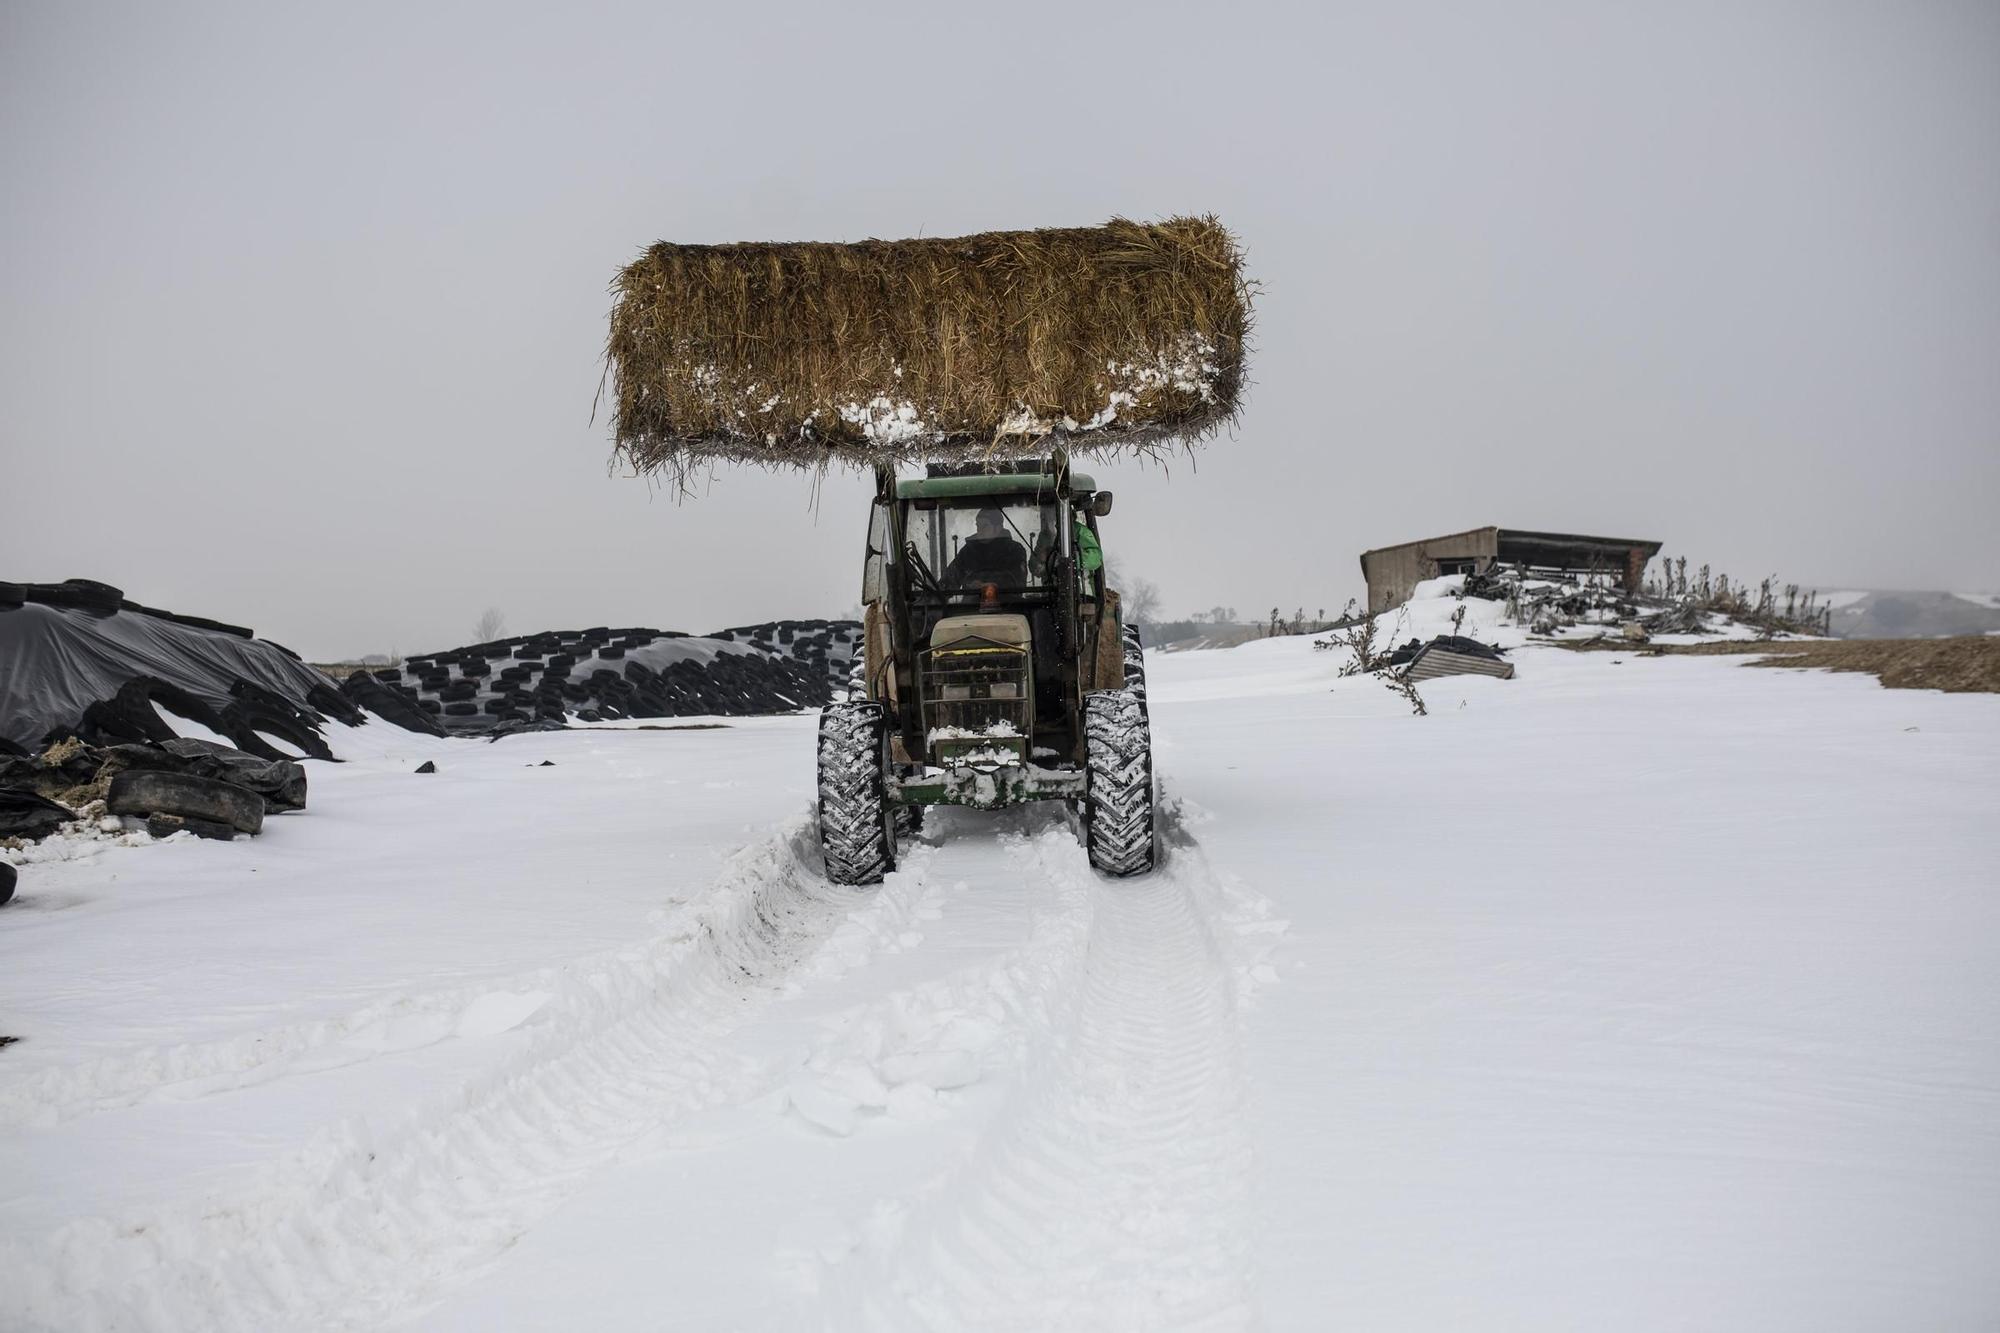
[
  {"x": 175, "y": 786},
  {"x": 605, "y": 674},
  {"x": 827, "y": 646},
  {"x": 210, "y": 789}
]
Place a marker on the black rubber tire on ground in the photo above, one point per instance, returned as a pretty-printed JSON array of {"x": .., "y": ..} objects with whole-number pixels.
[
  {"x": 909, "y": 820},
  {"x": 857, "y": 831},
  {"x": 165, "y": 826},
  {"x": 1118, "y": 747},
  {"x": 139, "y": 792},
  {"x": 8, "y": 875},
  {"x": 1135, "y": 663}
]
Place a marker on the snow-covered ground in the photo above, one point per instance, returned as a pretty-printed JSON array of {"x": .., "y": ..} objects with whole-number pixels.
[{"x": 1635, "y": 993}]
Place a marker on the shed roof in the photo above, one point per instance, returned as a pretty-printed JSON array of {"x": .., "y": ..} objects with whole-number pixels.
[
  {"x": 1449, "y": 536},
  {"x": 1550, "y": 541},
  {"x": 1553, "y": 542}
]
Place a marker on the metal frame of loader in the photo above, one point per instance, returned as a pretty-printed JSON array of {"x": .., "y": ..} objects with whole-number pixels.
[{"x": 957, "y": 723}]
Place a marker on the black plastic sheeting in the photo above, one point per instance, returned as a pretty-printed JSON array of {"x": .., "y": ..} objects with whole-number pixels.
[
  {"x": 87, "y": 668},
  {"x": 1456, "y": 643}
]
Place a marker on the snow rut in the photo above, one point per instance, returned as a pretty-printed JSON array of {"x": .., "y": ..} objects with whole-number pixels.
[
  {"x": 1113, "y": 1190},
  {"x": 372, "y": 1217}
]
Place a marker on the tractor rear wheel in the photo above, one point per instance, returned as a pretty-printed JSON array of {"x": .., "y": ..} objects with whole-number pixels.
[
  {"x": 1118, "y": 750},
  {"x": 857, "y": 833},
  {"x": 1135, "y": 663}
]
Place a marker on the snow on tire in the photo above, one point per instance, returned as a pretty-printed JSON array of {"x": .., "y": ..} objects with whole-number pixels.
[
  {"x": 856, "y": 820},
  {"x": 1118, "y": 747},
  {"x": 1135, "y": 662}
]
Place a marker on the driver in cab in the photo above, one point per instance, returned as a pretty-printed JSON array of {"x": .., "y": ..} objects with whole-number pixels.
[{"x": 990, "y": 555}]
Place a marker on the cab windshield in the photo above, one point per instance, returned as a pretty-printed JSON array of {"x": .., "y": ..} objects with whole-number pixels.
[{"x": 966, "y": 545}]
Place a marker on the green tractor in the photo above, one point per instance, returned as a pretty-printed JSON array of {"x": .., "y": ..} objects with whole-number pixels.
[{"x": 995, "y": 671}]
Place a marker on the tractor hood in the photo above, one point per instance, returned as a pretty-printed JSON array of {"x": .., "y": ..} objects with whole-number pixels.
[{"x": 1010, "y": 631}]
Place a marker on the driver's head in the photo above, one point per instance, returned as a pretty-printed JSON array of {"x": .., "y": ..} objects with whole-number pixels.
[{"x": 990, "y": 524}]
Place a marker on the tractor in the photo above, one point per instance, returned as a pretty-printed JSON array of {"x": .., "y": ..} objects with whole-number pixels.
[{"x": 996, "y": 669}]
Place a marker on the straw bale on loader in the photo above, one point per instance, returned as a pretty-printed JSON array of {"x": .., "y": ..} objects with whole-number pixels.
[{"x": 1099, "y": 340}]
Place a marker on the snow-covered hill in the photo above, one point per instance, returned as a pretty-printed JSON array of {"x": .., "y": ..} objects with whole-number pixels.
[
  {"x": 1915, "y": 615},
  {"x": 1636, "y": 993}
]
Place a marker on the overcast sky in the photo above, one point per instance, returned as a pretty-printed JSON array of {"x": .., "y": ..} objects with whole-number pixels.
[{"x": 302, "y": 307}]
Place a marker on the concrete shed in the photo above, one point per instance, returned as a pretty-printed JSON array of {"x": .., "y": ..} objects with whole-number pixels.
[{"x": 1393, "y": 572}]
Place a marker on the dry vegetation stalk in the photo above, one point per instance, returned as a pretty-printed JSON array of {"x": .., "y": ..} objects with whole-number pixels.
[{"x": 1125, "y": 337}]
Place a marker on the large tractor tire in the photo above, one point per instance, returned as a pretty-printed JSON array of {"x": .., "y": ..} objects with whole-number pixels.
[
  {"x": 857, "y": 830},
  {"x": 144, "y": 792},
  {"x": 1135, "y": 663},
  {"x": 1118, "y": 803}
]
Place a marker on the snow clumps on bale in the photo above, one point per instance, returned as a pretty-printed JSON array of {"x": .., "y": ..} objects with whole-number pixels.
[{"x": 1120, "y": 338}]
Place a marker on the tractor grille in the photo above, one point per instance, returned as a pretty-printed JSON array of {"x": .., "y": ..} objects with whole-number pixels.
[{"x": 976, "y": 689}]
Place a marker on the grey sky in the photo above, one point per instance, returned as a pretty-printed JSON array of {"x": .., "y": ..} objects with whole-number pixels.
[{"x": 301, "y": 307}]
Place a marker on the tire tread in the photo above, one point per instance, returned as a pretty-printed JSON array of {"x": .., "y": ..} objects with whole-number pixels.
[
  {"x": 854, "y": 832},
  {"x": 1118, "y": 746}
]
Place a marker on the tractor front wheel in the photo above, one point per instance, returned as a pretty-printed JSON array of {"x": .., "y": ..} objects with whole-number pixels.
[
  {"x": 857, "y": 833},
  {"x": 1118, "y": 749},
  {"x": 1135, "y": 662}
]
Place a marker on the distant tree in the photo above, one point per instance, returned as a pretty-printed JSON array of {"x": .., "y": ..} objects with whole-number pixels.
[
  {"x": 492, "y": 623},
  {"x": 1141, "y": 601}
]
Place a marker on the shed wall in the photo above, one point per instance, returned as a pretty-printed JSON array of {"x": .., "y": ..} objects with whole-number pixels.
[{"x": 1394, "y": 572}]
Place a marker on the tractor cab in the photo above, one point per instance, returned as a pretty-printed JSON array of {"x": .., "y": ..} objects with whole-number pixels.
[{"x": 990, "y": 583}]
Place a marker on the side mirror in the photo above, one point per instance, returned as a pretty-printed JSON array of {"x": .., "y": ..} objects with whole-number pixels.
[{"x": 1100, "y": 504}]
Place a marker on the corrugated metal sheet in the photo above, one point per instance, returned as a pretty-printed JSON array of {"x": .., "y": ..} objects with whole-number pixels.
[{"x": 1435, "y": 661}]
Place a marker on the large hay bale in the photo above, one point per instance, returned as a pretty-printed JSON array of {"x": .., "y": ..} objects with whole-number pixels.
[{"x": 1128, "y": 336}]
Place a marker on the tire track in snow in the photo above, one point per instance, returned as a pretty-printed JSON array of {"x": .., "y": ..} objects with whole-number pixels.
[
  {"x": 1114, "y": 1189},
  {"x": 373, "y": 1217}
]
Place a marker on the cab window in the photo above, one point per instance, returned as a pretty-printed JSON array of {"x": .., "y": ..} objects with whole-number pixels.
[
  {"x": 878, "y": 547},
  {"x": 1001, "y": 540}
]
